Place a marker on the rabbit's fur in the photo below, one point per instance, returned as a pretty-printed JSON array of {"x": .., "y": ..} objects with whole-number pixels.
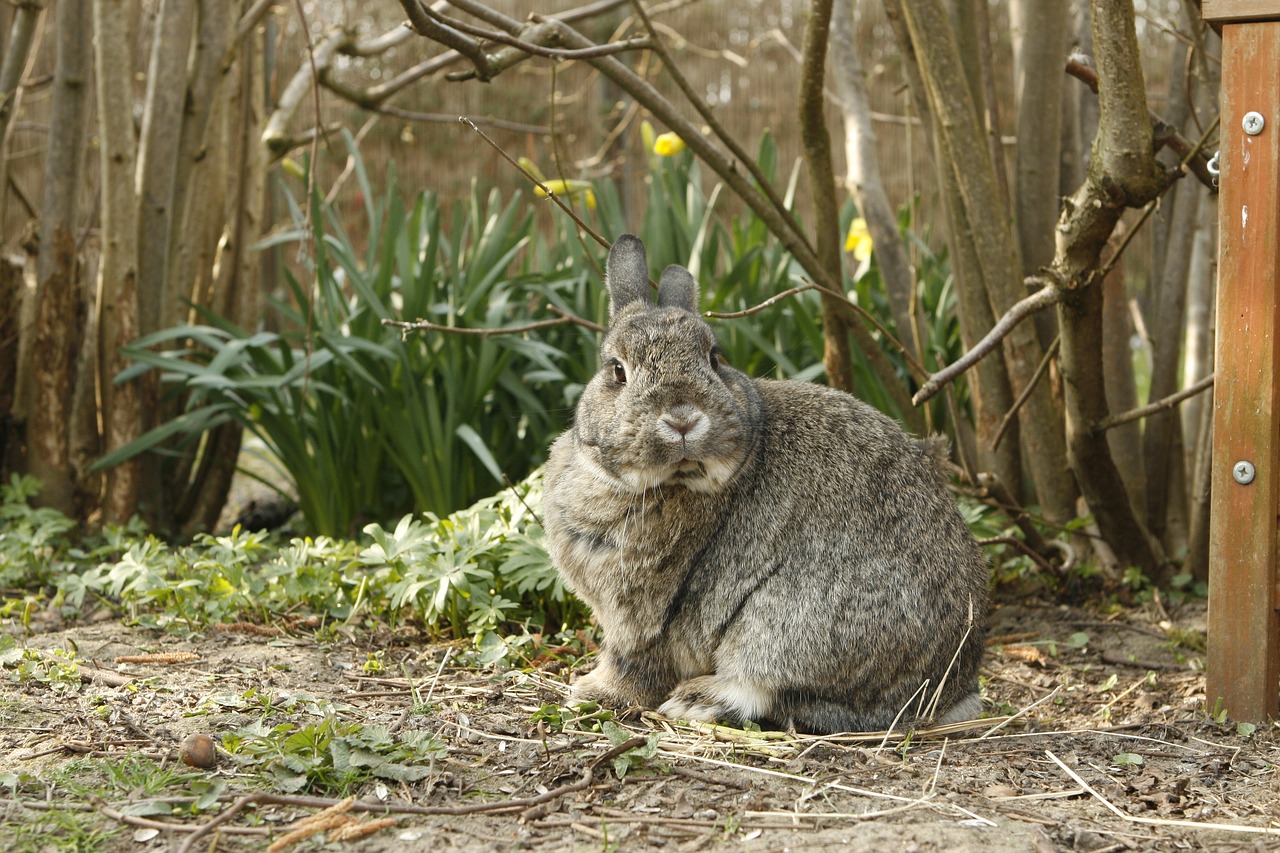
[{"x": 755, "y": 549}]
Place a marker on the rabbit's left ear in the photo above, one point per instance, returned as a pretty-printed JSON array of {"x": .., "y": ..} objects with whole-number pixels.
[
  {"x": 626, "y": 273},
  {"x": 677, "y": 289}
]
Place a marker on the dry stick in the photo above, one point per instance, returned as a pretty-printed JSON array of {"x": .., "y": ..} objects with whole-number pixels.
[
  {"x": 532, "y": 48},
  {"x": 713, "y": 122},
  {"x": 480, "y": 332},
  {"x": 1041, "y": 369},
  {"x": 1007, "y": 720},
  {"x": 1151, "y": 408},
  {"x": 539, "y": 184},
  {"x": 1023, "y": 308},
  {"x": 1026, "y": 549},
  {"x": 1153, "y": 821},
  {"x": 747, "y": 312}
]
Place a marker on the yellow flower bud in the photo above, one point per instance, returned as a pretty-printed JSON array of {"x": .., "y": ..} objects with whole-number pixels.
[{"x": 668, "y": 145}]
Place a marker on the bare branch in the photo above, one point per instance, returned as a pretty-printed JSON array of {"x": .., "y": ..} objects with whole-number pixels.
[
  {"x": 712, "y": 120},
  {"x": 1041, "y": 369},
  {"x": 1160, "y": 405},
  {"x": 273, "y": 135},
  {"x": 481, "y": 332},
  {"x": 756, "y": 309},
  {"x": 539, "y": 184},
  {"x": 1038, "y": 301},
  {"x": 426, "y": 25}
]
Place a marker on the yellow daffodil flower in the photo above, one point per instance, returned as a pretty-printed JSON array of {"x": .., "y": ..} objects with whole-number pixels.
[
  {"x": 668, "y": 145},
  {"x": 858, "y": 240}
]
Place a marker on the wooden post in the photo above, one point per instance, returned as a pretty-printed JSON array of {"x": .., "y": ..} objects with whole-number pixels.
[{"x": 1243, "y": 666}]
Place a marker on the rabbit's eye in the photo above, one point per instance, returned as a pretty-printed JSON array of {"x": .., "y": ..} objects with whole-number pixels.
[{"x": 619, "y": 372}]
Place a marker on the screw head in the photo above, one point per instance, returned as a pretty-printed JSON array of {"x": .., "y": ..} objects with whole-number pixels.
[
  {"x": 1243, "y": 472},
  {"x": 1253, "y": 122}
]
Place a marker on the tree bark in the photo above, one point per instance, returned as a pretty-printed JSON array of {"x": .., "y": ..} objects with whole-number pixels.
[
  {"x": 158, "y": 157},
  {"x": 826, "y": 214},
  {"x": 118, "y": 291},
  {"x": 236, "y": 293},
  {"x": 46, "y": 360},
  {"x": 1122, "y": 172},
  {"x": 1166, "y": 333},
  {"x": 862, "y": 178},
  {"x": 980, "y": 223},
  {"x": 1039, "y": 87}
]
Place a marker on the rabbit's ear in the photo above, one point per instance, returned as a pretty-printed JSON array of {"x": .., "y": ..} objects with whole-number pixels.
[
  {"x": 626, "y": 273},
  {"x": 677, "y": 289}
]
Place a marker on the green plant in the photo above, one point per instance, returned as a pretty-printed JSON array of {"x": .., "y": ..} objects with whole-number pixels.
[
  {"x": 366, "y": 422},
  {"x": 331, "y": 755}
]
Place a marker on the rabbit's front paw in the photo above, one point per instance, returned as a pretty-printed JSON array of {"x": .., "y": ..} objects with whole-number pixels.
[
  {"x": 602, "y": 686},
  {"x": 711, "y": 698}
]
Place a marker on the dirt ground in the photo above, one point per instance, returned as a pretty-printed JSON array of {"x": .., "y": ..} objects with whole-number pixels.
[{"x": 1109, "y": 748}]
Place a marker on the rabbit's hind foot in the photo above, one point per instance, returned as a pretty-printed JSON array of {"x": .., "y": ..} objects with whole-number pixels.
[{"x": 714, "y": 698}]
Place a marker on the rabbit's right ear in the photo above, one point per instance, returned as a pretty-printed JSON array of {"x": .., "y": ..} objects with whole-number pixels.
[{"x": 626, "y": 273}]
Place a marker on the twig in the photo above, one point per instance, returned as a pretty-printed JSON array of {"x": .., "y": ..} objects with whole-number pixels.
[
  {"x": 1048, "y": 295},
  {"x": 1007, "y": 720},
  {"x": 1153, "y": 821},
  {"x": 713, "y": 122},
  {"x": 539, "y": 184},
  {"x": 1152, "y": 408},
  {"x": 756, "y": 309},
  {"x": 480, "y": 332},
  {"x": 1041, "y": 369},
  {"x": 532, "y": 48}
]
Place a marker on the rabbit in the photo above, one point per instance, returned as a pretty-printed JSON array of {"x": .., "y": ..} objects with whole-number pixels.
[{"x": 754, "y": 549}]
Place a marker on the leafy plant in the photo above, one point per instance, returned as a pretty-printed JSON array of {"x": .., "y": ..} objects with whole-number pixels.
[
  {"x": 368, "y": 423},
  {"x": 331, "y": 755},
  {"x": 482, "y": 572}
]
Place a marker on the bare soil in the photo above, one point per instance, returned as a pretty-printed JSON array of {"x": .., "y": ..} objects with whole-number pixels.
[{"x": 1111, "y": 703}]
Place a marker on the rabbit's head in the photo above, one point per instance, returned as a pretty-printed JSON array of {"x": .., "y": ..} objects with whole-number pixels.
[{"x": 665, "y": 409}]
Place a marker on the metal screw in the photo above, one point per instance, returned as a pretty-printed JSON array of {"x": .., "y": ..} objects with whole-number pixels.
[
  {"x": 1253, "y": 123},
  {"x": 1243, "y": 472}
]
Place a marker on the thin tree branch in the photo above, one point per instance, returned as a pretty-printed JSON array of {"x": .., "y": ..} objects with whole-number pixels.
[
  {"x": 756, "y": 309},
  {"x": 1041, "y": 369},
  {"x": 479, "y": 332},
  {"x": 539, "y": 184},
  {"x": 712, "y": 120},
  {"x": 1024, "y": 308},
  {"x": 1163, "y": 404}
]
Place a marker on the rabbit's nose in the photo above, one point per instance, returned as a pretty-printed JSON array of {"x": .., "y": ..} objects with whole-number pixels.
[{"x": 685, "y": 424}]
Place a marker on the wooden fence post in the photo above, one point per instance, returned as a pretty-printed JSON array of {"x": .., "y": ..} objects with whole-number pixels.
[{"x": 1243, "y": 666}]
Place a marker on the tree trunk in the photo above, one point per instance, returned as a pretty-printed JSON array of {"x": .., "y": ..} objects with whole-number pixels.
[
  {"x": 158, "y": 157},
  {"x": 1166, "y": 332},
  {"x": 23, "y": 33},
  {"x": 123, "y": 403},
  {"x": 46, "y": 359},
  {"x": 236, "y": 292},
  {"x": 1122, "y": 393},
  {"x": 863, "y": 173},
  {"x": 817, "y": 157},
  {"x": 1039, "y": 87},
  {"x": 980, "y": 222}
]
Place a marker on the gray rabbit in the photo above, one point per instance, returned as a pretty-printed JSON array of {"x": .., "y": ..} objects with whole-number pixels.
[{"x": 755, "y": 549}]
